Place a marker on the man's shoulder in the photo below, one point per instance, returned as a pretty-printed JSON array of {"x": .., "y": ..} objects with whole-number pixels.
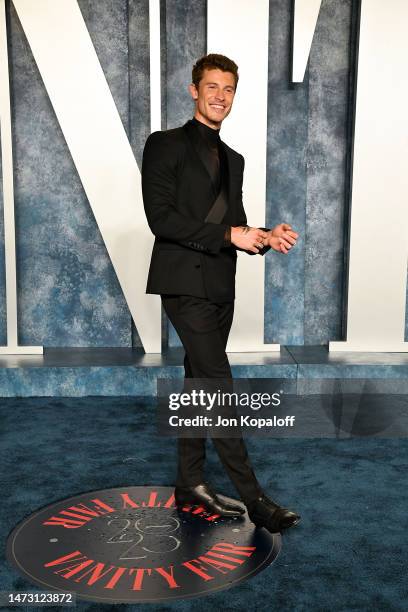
[{"x": 172, "y": 137}]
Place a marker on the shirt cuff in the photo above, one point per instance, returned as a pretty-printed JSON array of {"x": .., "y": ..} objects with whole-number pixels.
[{"x": 227, "y": 237}]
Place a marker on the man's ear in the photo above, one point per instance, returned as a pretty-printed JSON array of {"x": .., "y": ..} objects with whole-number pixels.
[{"x": 193, "y": 91}]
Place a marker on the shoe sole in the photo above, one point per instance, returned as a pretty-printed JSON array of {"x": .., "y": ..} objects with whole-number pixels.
[
  {"x": 282, "y": 528},
  {"x": 293, "y": 524}
]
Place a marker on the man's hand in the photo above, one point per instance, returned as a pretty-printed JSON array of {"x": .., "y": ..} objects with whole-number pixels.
[
  {"x": 281, "y": 238},
  {"x": 248, "y": 238}
]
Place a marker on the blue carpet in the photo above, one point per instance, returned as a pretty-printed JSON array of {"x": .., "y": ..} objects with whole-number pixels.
[{"x": 349, "y": 552}]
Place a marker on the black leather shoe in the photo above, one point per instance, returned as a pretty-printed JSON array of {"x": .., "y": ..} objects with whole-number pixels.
[
  {"x": 202, "y": 495},
  {"x": 266, "y": 513}
]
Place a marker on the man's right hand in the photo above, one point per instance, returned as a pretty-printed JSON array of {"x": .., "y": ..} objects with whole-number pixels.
[{"x": 248, "y": 238}]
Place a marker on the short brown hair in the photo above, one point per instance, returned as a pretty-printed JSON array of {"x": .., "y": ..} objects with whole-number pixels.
[{"x": 211, "y": 61}]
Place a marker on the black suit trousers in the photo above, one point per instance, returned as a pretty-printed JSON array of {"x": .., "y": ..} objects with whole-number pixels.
[{"x": 203, "y": 327}]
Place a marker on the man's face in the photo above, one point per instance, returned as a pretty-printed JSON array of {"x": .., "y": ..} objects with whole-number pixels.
[{"x": 214, "y": 96}]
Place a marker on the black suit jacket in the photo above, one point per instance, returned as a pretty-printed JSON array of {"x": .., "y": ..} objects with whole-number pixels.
[{"x": 189, "y": 256}]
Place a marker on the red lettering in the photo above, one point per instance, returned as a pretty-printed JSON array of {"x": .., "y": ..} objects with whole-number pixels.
[
  {"x": 152, "y": 500},
  {"x": 68, "y": 572},
  {"x": 65, "y": 559},
  {"x": 199, "y": 510},
  {"x": 82, "y": 509},
  {"x": 101, "y": 505},
  {"x": 218, "y": 565},
  {"x": 60, "y": 521},
  {"x": 238, "y": 550},
  {"x": 137, "y": 585},
  {"x": 80, "y": 513},
  {"x": 219, "y": 556},
  {"x": 96, "y": 573},
  {"x": 115, "y": 578},
  {"x": 168, "y": 576},
  {"x": 197, "y": 570},
  {"x": 85, "y": 519},
  {"x": 212, "y": 517},
  {"x": 127, "y": 502},
  {"x": 170, "y": 502}
]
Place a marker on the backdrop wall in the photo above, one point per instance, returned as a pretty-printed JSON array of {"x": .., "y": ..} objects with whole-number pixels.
[{"x": 68, "y": 293}]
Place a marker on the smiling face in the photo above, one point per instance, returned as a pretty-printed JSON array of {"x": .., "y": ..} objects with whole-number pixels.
[{"x": 213, "y": 97}]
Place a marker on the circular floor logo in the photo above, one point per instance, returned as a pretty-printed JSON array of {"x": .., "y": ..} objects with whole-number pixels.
[{"x": 132, "y": 544}]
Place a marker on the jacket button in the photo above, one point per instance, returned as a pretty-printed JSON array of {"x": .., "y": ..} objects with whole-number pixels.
[{"x": 197, "y": 265}]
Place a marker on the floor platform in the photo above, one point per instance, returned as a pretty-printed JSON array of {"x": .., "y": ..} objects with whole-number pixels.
[{"x": 78, "y": 372}]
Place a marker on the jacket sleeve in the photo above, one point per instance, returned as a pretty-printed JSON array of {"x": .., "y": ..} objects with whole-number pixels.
[
  {"x": 242, "y": 219},
  {"x": 159, "y": 187}
]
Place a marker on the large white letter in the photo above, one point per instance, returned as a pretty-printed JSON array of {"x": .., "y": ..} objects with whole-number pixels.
[
  {"x": 304, "y": 25},
  {"x": 8, "y": 200},
  {"x": 379, "y": 212},
  {"x": 379, "y": 221},
  {"x": 89, "y": 119},
  {"x": 240, "y": 29}
]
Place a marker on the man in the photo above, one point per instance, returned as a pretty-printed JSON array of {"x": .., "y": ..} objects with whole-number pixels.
[{"x": 192, "y": 191}]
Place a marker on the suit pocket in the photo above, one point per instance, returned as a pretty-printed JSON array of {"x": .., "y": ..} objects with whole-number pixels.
[{"x": 176, "y": 271}]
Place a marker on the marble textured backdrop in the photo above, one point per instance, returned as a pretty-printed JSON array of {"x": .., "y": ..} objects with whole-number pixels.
[{"x": 68, "y": 293}]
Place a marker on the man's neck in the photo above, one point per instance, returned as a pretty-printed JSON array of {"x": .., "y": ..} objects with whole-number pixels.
[{"x": 215, "y": 125}]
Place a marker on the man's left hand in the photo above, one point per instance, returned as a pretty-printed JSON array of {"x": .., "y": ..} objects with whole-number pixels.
[{"x": 282, "y": 238}]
